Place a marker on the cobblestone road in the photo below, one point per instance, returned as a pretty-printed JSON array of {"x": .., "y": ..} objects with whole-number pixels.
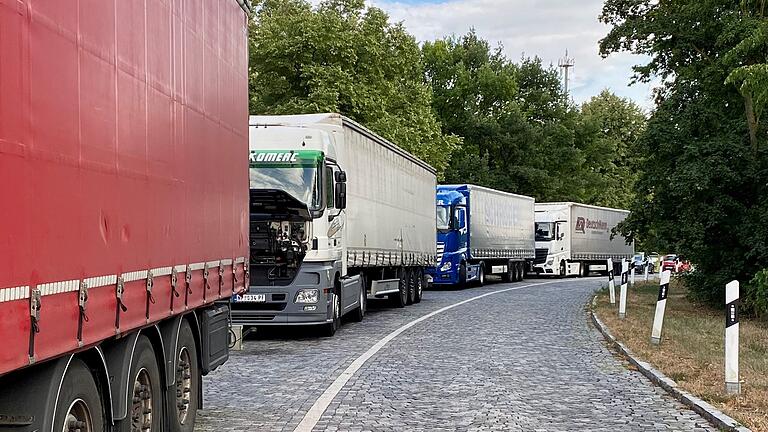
[{"x": 526, "y": 359}]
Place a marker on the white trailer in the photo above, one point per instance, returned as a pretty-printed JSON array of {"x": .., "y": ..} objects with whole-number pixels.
[
  {"x": 337, "y": 214},
  {"x": 576, "y": 239}
]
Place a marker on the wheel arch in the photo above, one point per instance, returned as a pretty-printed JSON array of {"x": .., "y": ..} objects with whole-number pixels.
[{"x": 96, "y": 361}]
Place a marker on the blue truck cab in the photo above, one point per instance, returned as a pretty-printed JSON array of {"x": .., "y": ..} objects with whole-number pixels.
[
  {"x": 452, "y": 238},
  {"x": 481, "y": 231}
]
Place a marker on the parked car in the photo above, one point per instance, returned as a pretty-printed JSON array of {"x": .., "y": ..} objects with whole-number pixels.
[
  {"x": 669, "y": 262},
  {"x": 639, "y": 262},
  {"x": 653, "y": 262}
]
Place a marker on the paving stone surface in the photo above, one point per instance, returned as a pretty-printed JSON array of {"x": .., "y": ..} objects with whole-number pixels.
[{"x": 523, "y": 360}]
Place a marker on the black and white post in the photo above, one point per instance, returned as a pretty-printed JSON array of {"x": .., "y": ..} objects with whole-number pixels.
[
  {"x": 623, "y": 294},
  {"x": 611, "y": 282},
  {"x": 732, "y": 384},
  {"x": 632, "y": 274},
  {"x": 645, "y": 273},
  {"x": 661, "y": 306}
]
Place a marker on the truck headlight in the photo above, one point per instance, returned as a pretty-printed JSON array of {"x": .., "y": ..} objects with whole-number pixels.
[
  {"x": 446, "y": 266},
  {"x": 307, "y": 296},
  {"x": 550, "y": 262}
]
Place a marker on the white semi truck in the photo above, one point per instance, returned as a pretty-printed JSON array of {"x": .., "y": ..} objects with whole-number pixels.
[
  {"x": 337, "y": 214},
  {"x": 576, "y": 239}
]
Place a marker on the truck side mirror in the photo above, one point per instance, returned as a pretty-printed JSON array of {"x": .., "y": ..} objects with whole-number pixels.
[
  {"x": 341, "y": 176},
  {"x": 340, "y": 195}
]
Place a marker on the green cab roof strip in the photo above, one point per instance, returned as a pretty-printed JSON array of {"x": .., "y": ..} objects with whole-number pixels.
[{"x": 281, "y": 158}]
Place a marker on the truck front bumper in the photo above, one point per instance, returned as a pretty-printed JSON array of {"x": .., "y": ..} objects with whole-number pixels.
[
  {"x": 280, "y": 308},
  {"x": 543, "y": 269},
  {"x": 443, "y": 277}
]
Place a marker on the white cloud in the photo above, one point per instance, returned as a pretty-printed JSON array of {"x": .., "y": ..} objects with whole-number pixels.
[{"x": 543, "y": 28}]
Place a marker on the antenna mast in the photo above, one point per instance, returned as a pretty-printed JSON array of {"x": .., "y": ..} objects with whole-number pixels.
[{"x": 565, "y": 63}]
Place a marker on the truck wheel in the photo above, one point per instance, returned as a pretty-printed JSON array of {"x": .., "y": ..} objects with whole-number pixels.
[
  {"x": 521, "y": 266},
  {"x": 359, "y": 313},
  {"x": 419, "y": 276},
  {"x": 331, "y": 327},
  {"x": 79, "y": 405},
  {"x": 412, "y": 286},
  {"x": 145, "y": 395},
  {"x": 463, "y": 275},
  {"x": 481, "y": 275},
  {"x": 583, "y": 270},
  {"x": 400, "y": 298},
  {"x": 562, "y": 268},
  {"x": 184, "y": 393},
  {"x": 510, "y": 274}
]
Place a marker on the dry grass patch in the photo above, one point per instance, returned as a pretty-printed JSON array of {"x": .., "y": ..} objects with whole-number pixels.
[{"x": 691, "y": 351}]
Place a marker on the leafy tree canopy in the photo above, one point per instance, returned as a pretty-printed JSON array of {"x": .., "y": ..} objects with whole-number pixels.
[
  {"x": 343, "y": 57},
  {"x": 701, "y": 190},
  {"x": 520, "y": 132}
]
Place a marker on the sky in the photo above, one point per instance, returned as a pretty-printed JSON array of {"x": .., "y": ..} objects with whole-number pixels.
[{"x": 543, "y": 28}]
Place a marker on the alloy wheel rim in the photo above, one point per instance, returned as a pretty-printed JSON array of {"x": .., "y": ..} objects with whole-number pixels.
[
  {"x": 183, "y": 384},
  {"x": 141, "y": 413},
  {"x": 78, "y": 418}
]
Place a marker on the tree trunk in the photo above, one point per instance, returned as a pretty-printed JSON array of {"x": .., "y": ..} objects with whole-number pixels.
[{"x": 751, "y": 120}]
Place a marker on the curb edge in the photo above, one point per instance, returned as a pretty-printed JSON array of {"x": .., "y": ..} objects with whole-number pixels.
[{"x": 706, "y": 410}]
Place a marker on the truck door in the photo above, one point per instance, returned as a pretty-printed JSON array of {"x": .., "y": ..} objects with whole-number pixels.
[{"x": 461, "y": 225}]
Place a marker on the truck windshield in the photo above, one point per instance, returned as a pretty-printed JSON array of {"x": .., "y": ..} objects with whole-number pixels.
[
  {"x": 443, "y": 218},
  {"x": 295, "y": 173},
  {"x": 545, "y": 231}
]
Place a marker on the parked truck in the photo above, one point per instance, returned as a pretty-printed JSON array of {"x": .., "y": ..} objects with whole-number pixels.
[
  {"x": 482, "y": 231},
  {"x": 576, "y": 239},
  {"x": 337, "y": 214},
  {"x": 122, "y": 127}
]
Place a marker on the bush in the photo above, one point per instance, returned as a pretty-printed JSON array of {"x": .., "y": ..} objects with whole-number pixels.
[{"x": 756, "y": 299}]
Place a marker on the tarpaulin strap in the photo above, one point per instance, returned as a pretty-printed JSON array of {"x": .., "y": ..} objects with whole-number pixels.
[
  {"x": 119, "y": 290},
  {"x": 150, "y": 298},
  {"x": 35, "y": 304},
  {"x": 174, "y": 282},
  {"x": 82, "y": 301}
]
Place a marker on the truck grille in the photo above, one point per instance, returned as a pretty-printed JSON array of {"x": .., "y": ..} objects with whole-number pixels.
[
  {"x": 541, "y": 256},
  {"x": 440, "y": 250}
]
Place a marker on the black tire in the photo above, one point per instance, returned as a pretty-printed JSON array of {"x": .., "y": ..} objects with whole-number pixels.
[
  {"x": 462, "y": 275},
  {"x": 419, "y": 276},
  {"x": 480, "y": 275},
  {"x": 400, "y": 298},
  {"x": 183, "y": 395},
  {"x": 145, "y": 391},
  {"x": 79, "y": 400},
  {"x": 359, "y": 313},
  {"x": 510, "y": 274},
  {"x": 582, "y": 269},
  {"x": 330, "y": 329},
  {"x": 521, "y": 266},
  {"x": 412, "y": 286},
  {"x": 562, "y": 268}
]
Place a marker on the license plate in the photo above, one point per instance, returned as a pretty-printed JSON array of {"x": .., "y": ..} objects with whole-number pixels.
[{"x": 250, "y": 298}]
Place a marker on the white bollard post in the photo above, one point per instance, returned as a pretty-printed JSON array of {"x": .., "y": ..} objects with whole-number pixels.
[
  {"x": 611, "y": 282},
  {"x": 661, "y": 306},
  {"x": 645, "y": 274},
  {"x": 623, "y": 294},
  {"x": 732, "y": 384}
]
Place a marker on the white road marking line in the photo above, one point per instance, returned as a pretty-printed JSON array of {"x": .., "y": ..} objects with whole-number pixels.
[{"x": 321, "y": 404}]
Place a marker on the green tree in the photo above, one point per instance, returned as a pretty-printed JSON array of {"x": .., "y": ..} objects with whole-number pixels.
[
  {"x": 343, "y": 57},
  {"x": 615, "y": 151},
  {"x": 520, "y": 133},
  {"x": 702, "y": 190}
]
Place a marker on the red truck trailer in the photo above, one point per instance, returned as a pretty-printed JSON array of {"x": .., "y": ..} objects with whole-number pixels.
[{"x": 124, "y": 218}]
